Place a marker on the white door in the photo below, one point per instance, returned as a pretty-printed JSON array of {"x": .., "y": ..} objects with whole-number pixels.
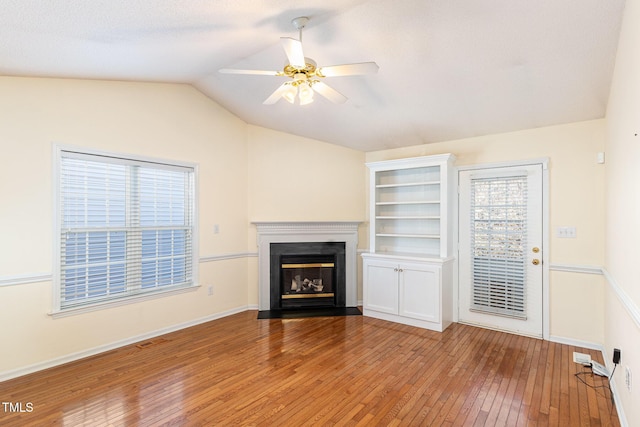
[{"x": 500, "y": 248}]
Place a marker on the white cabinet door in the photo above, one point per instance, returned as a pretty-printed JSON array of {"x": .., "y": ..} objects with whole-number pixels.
[
  {"x": 381, "y": 290},
  {"x": 420, "y": 292}
]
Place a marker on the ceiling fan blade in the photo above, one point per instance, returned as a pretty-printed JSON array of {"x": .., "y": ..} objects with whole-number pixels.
[
  {"x": 277, "y": 94},
  {"x": 349, "y": 69},
  {"x": 329, "y": 93},
  {"x": 293, "y": 49},
  {"x": 253, "y": 72}
]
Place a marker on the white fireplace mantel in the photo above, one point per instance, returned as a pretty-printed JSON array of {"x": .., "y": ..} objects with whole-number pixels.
[{"x": 307, "y": 231}]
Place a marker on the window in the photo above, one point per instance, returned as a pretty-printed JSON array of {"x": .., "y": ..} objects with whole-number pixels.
[
  {"x": 498, "y": 241},
  {"x": 126, "y": 228}
]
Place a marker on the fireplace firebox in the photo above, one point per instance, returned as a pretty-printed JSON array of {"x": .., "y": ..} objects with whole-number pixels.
[{"x": 307, "y": 275}]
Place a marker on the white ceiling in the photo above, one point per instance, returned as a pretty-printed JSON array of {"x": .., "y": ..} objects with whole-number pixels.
[{"x": 449, "y": 69}]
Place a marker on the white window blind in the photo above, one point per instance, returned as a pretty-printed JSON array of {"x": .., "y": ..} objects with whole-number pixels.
[
  {"x": 498, "y": 242},
  {"x": 126, "y": 228}
]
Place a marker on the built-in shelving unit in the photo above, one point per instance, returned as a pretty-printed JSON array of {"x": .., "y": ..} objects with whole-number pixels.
[
  {"x": 408, "y": 272},
  {"x": 409, "y": 206}
]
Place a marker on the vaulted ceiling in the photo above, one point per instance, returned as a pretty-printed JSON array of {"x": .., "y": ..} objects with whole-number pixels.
[{"x": 449, "y": 69}]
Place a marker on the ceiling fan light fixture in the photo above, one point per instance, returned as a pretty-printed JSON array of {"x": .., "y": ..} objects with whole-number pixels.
[
  {"x": 290, "y": 94},
  {"x": 305, "y": 93}
]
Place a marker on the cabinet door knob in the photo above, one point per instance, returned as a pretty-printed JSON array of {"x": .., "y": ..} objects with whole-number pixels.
[{"x": 400, "y": 270}]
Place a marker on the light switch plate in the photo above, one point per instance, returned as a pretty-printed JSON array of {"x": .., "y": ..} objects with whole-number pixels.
[{"x": 566, "y": 232}]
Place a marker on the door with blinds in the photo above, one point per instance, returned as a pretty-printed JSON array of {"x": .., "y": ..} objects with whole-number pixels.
[{"x": 500, "y": 248}]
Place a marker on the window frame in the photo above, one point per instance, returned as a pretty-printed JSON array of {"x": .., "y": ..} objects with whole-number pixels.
[{"x": 59, "y": 152}]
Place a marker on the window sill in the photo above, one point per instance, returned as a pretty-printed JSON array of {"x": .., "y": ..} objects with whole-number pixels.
[{"x": 72, "y": 311}]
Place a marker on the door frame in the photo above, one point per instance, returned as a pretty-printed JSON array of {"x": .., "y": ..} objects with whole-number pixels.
[{"x": 544, "y": 162}]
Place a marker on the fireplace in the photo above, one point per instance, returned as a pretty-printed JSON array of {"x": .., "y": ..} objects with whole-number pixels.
[
  {"x": 306, "y": 233},
  {"x": 307, "y": 275}
]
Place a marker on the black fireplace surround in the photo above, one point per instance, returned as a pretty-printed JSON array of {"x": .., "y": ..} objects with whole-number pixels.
[{"x": 307, "y": 275}]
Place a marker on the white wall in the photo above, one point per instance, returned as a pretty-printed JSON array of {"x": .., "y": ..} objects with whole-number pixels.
[
  {"x": 158, "y": 120},
  {"x": 576, "y": 199},
  {"x": 622, "y": 328}
]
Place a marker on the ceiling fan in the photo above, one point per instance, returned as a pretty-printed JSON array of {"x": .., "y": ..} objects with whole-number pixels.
[{"x": 305, "y": 74}]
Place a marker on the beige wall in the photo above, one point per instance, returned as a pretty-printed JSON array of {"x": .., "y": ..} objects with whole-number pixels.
[
  {"x": 622, "y": 326},
  {"x": 158, "y": 120},
  {"x": 294, "y": 178},
  {"x": 299, "y": 179},
  {"x": 576, "y": 199},
  {"x": 248, "y": 173},
  {"x": 245, "y": 173}
]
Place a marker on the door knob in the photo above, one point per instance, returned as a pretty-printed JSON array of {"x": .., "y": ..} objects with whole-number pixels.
[{"x": 535, "y": 261}]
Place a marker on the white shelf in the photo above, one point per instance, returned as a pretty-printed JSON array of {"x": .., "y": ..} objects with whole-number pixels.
[
  {"x": 416, "y": 236},
  {"x": 416, "y": 202},
  {"x": 409, "y": 184},
  {"x": 409, "y": 217}
]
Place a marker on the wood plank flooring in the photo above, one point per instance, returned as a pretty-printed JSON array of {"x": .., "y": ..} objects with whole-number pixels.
[{"x": 342, "y": 371}]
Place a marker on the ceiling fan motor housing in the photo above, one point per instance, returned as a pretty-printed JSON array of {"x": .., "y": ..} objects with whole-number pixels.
[
  {"x": 300, "y": 22},
  {"x": 309, "y": 68}
]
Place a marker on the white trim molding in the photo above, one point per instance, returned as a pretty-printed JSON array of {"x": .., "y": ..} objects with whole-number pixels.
[
  {"x": 24, "y": 279},
  {"x": 222, "y": 257},
  {"x": 309, "y": 227},
  {"x": 570, "y": 268},
  {"x": 577, "y": 343},
  {"x": 624, "y": 299}
]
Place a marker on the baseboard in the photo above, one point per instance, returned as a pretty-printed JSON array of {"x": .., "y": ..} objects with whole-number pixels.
[
  {"x": 7, "y": 375},
  {"x": 577, "y": 343},
  {"x": 634, "y": 313},
  {"x": 614, "y": 390}
]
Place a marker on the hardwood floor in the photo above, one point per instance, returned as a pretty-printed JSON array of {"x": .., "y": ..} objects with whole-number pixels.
[{"x": 352, "y": 371}]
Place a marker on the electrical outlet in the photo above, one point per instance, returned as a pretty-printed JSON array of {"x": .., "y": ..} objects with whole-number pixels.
[
  {"x": 627, "y": 377},
  {"x": 210, "y": 290}
]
